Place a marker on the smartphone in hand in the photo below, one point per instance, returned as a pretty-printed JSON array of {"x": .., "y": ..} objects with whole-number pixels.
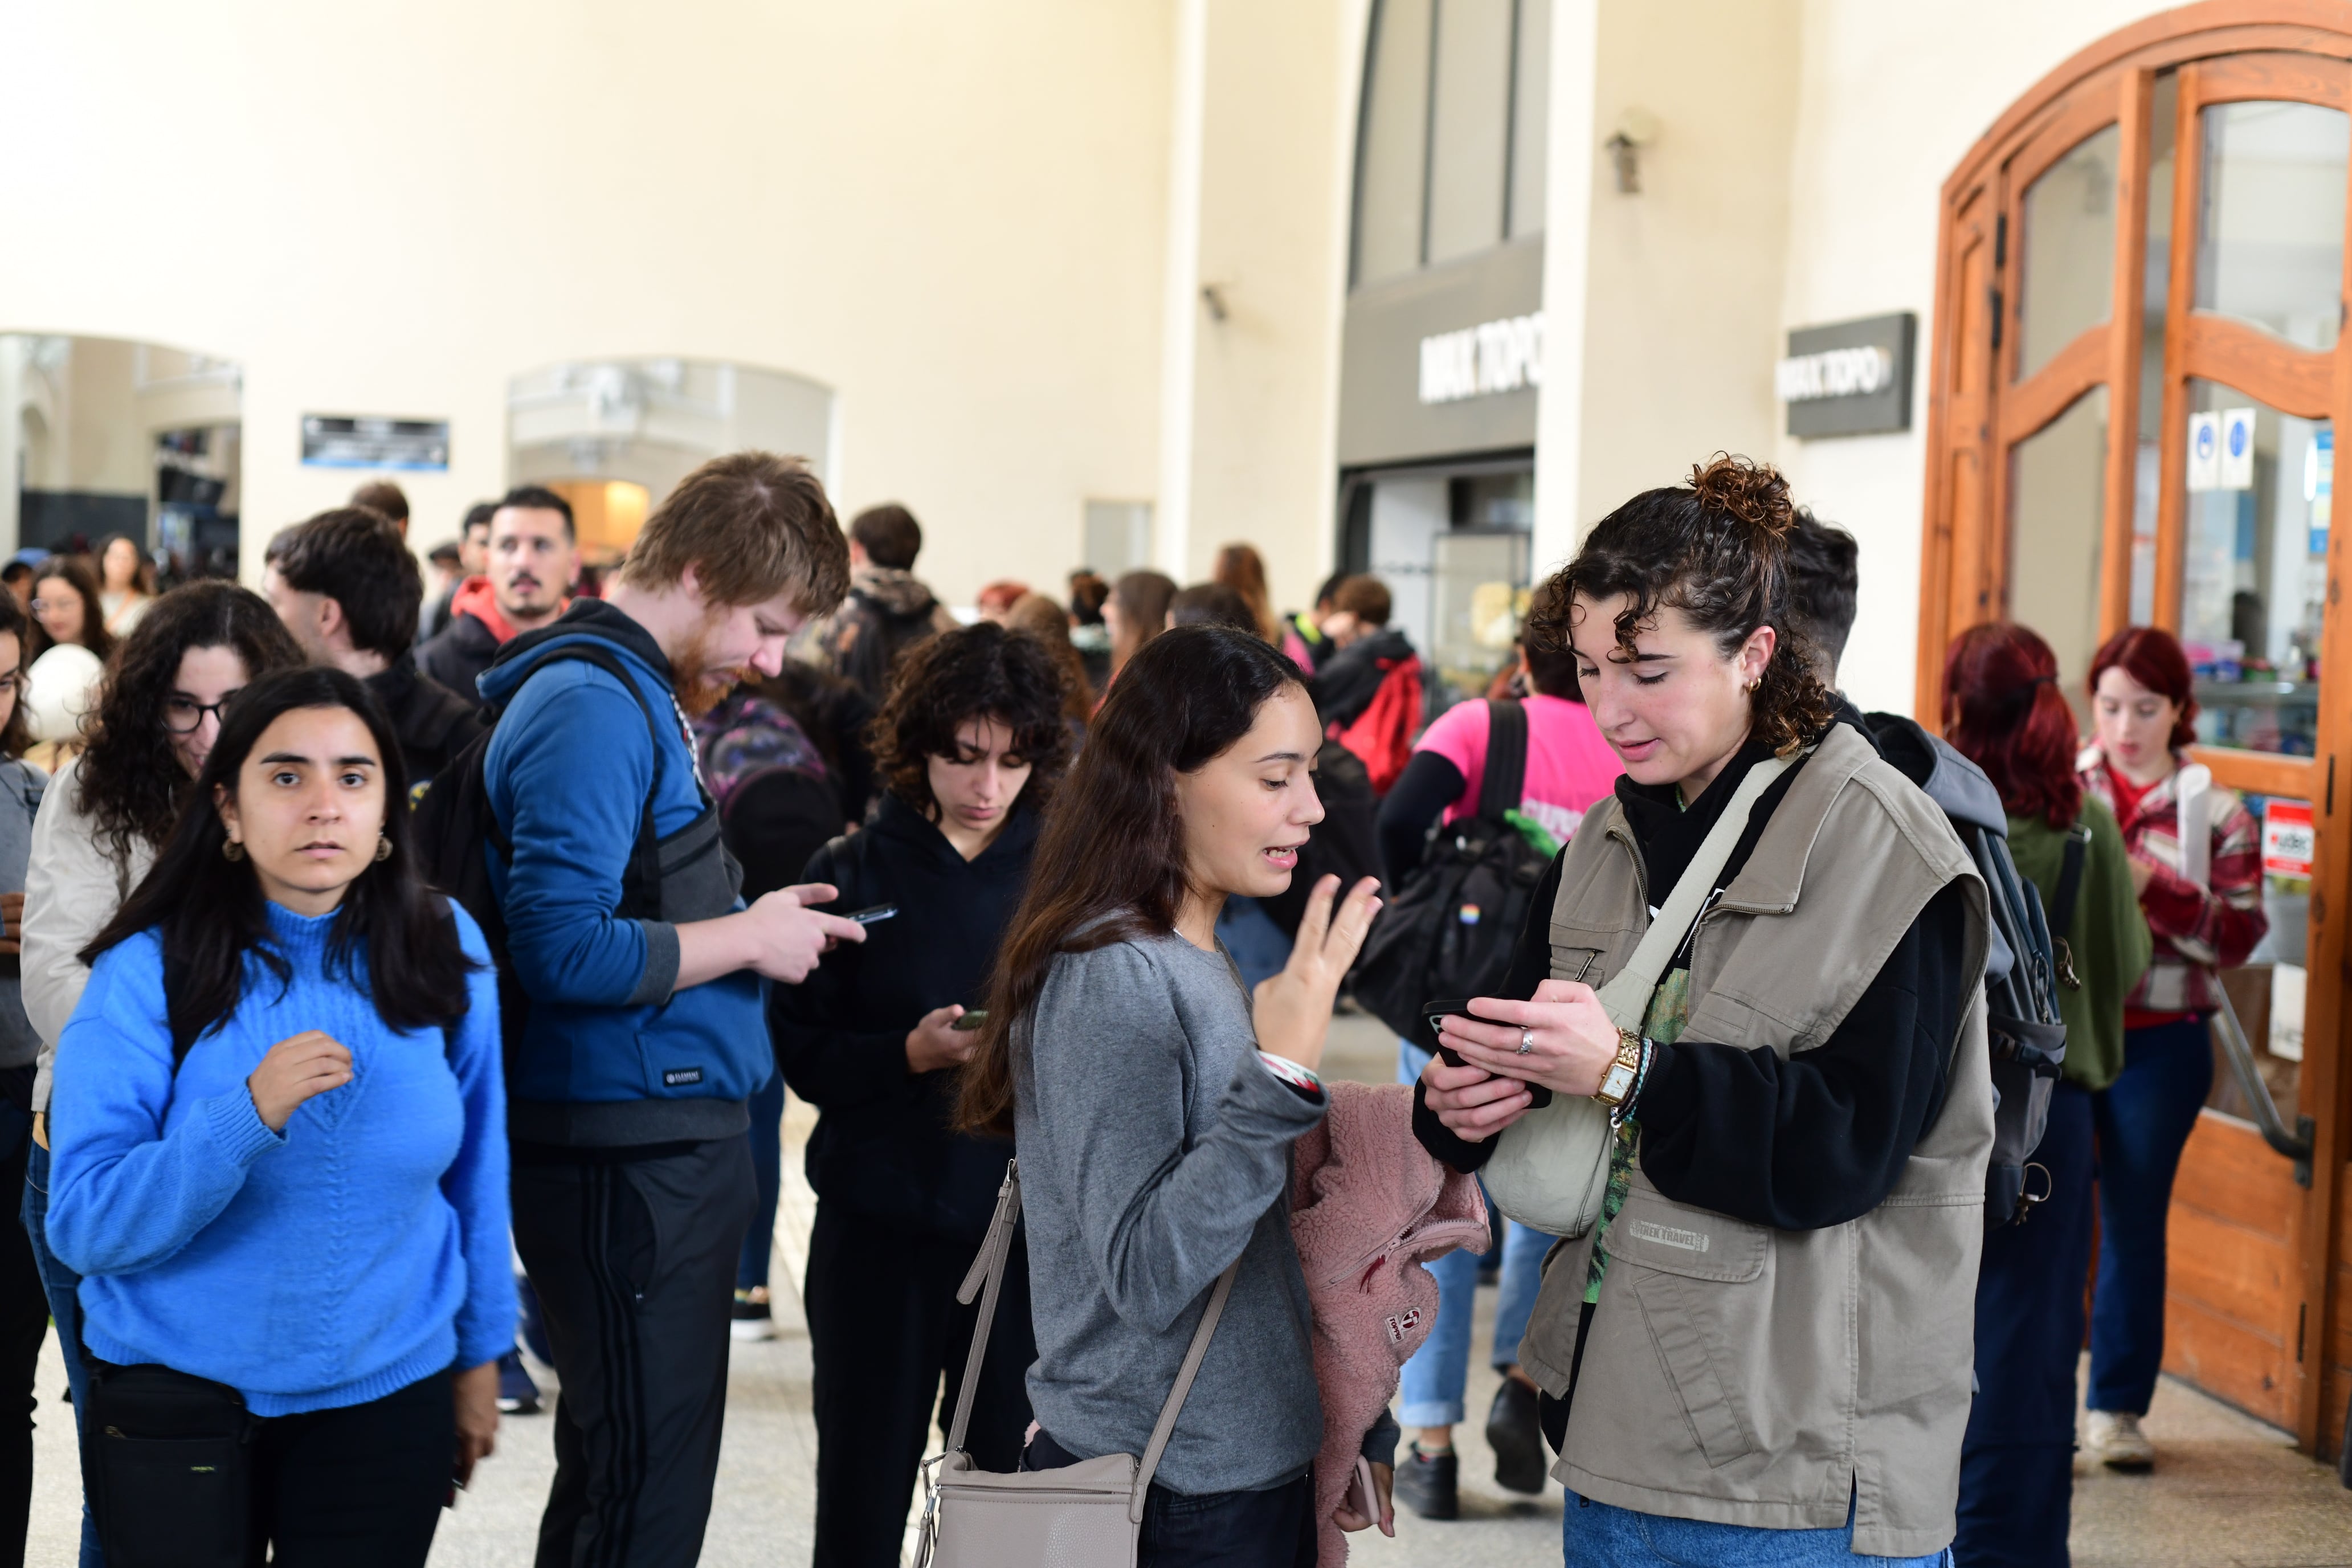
[
  {"x": 971, "y": 1022},
  {"x": 867, "y": 917},
  {"x": 1433, "y": 1012}
]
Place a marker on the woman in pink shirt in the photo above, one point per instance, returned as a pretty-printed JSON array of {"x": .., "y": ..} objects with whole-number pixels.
[{"x": 1570, "y": 769}]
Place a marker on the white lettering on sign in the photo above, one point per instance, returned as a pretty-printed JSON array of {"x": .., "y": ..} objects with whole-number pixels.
[
  {"x": 2288, "y": 839},
  {"x": 1834, "y": 372},
  {"x": 1504, "y": 355}
]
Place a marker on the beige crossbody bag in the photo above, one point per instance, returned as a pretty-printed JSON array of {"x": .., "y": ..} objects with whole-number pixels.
[
  {"x": 1086, "y": 1515},
  {"x": 1550, "y": 1170}
]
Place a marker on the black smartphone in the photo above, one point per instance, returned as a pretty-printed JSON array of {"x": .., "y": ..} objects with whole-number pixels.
[
  {"x": 970, "y": 1020},
  {"x": 867, "y": 917},
  {"x": 1537, "y": 1095}
]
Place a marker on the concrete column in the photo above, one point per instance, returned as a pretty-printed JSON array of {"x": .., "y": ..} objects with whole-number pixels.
[{"x": 1571, "y": 156}]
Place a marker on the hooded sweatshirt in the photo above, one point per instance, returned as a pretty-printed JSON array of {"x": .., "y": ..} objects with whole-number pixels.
[
  {"x": 888, "y": 609},
  {"x": 612, "y": 1054},
  {"x": 458, "y": 655}
]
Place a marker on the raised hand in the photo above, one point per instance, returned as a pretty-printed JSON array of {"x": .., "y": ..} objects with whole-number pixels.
[
  {"x": 1293, "y": 1009},
  {"x": 297, "y": 1068}
]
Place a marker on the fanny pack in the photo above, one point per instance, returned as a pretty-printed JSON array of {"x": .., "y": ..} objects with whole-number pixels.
[
  {"x": 1550, "y": 1170},
  {"x": 168, "y": 1459},
  {"x": 1086, "y": 1515}
]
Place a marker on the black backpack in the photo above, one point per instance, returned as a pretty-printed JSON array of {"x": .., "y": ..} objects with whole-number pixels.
[
  {"x": 2025, "y": 967},
  {"x": 1453, "y": 926},
  {"x": 454, "y": 830}
]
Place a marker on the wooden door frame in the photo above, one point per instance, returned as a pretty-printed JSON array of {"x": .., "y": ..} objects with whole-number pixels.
[{"x": 1976, "y": 410}]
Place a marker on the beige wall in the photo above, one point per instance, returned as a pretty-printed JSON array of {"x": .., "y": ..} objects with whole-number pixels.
[
  {"x": 951, "y": 214},
  {"x": 1890, "y": 98},
  {"x": 1278, "y": 98}
]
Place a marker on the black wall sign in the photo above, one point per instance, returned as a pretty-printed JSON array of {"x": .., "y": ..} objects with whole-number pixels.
[
  {"x": 1853, "y": 378},
  {"x": 347, "y": 441}
]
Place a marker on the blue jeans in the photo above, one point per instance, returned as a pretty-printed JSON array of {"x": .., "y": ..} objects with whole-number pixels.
[
  {"x": 61, "y": 1284},
  {"x": 767, "y": 1136},
  {"x": 1601, "y": 1535},
  {"x": 2017, "y": 1462},
  {"x": 2144, "y": 1119},
  {"x": 1440, "y": 1370},
  {"x": 1259, "y": 946}
]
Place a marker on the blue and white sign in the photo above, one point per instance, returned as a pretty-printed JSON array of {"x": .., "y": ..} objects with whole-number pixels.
[
  {"x": 2237, "y": 465},
  {"x": 2204, "y": 451}
]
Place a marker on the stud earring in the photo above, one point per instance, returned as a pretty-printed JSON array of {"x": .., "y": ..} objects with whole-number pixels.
[
  {"x": 383, "y": 850},
  {"x": 231, "y": 850}
]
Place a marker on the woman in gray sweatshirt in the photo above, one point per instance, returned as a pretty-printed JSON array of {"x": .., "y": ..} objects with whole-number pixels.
[{"x": 1153, "y": 1100}]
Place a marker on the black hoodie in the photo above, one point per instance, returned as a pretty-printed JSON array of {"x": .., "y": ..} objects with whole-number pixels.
[
  {"x": 883, "y": 1147},
  {"x": 1345, "y": 684}
]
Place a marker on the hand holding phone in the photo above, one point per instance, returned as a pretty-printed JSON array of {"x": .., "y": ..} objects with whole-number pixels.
[
  {"x": 971, "y": 1022},
  {"x": 1436, "y": 1013}
]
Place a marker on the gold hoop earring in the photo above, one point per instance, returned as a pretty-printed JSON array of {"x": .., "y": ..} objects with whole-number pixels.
[
  {"x": 231, "y": 850},
  {"x": 1753, "y": 684},
  {"x": 383, "y": 849}
]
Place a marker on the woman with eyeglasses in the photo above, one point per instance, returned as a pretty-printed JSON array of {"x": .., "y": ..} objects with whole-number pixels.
[{"x": 106, "y": 815}]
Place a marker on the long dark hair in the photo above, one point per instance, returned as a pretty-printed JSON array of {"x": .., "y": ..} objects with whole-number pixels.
[
  {"x": 75, "y": 574},
  {"x": 2003, "y": 712},
  {"x": 979, "y": 672},
  {"x": 130, "y": 781},
  {"x": 1717, "y": 549},
  {"x": 1113, "y": 840},
  {"x": 16, "y": 734},
  {"x": 212, "y": 914}
]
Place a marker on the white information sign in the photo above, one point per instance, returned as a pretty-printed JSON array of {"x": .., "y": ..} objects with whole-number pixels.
[{"x": 2204, "y": 451}]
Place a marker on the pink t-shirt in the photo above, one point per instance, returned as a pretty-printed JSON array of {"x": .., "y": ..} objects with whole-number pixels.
[{"x": 1570, "y": 766}]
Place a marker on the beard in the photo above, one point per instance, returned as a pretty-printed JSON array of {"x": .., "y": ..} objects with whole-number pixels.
[{"x": 698, "y": 680}]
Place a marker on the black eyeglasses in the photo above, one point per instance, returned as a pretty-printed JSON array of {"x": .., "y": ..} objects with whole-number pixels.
[{"x": 183, "y": 716}]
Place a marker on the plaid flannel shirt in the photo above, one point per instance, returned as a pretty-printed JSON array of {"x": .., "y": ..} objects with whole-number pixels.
[{"x": 2197, "y": 929}]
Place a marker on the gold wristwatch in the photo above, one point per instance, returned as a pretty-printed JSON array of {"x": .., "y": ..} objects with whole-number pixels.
[{"x": 1618, "y": 1081}]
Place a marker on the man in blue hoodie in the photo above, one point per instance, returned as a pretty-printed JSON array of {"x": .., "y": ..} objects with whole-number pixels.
[{"x": 645, "y": 975}]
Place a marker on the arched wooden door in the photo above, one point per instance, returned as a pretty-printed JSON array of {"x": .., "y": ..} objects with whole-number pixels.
[{"x": 2140, "y": 362}]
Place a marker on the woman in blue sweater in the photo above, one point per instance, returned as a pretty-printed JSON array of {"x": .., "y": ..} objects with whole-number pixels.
[{"x": 280, "y": 1162}]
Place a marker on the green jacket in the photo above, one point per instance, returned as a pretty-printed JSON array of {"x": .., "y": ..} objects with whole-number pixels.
[{"x": 2109, "y": 938}]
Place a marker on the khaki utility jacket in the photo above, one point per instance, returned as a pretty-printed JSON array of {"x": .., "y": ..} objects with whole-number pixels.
[{"x": 1735, "y": 1372}]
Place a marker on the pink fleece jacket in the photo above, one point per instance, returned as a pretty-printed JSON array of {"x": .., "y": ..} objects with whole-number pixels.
[{"x": 1368, "y": 1205}]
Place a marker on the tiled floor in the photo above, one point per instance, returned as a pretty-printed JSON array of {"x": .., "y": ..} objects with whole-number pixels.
[{"x": 2230, "y": 1494}]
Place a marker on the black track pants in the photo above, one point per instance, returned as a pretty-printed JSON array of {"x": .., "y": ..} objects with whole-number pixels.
[{"x": 634, "y": 1265}]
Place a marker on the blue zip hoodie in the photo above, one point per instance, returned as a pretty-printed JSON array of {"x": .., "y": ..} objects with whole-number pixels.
[{"x": 612, "y": 1055}]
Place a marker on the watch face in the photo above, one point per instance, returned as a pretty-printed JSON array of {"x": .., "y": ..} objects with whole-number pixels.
[{"x": 1620, "y": 1079}]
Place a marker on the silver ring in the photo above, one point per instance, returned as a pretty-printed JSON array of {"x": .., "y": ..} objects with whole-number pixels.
[{"x": 1526, "y": 1041}]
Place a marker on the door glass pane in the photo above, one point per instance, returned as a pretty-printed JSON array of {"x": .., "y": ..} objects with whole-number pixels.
[
  {"x": 2067, "y": 281},
  {"x": 1393, "y": 156},
  {"x": 2270, "y": 229},
  {"x": 2267, "y": 992},
  {"x": 2057, "y": 504},
  {"x": 2156, "y": 285},
  {"x": 2254, "y": 577},
  {"x": 1468, "y": 127}
]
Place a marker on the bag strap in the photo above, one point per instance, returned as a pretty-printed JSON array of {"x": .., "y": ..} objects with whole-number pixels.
[
  {"x": 1504, "y": 782},
  {"x": 2070, "y": 882},
  {"x": 644, "y": 855},
  {"x": 1626, "y": 996},
  {"x": 986, "y": 1279}
]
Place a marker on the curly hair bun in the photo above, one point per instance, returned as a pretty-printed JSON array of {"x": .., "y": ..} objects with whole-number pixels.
[{"x": 1754, "y": 493}]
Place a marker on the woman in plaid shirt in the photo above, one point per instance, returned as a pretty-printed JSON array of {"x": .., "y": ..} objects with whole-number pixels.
[{"x": 2196, "y": 859}]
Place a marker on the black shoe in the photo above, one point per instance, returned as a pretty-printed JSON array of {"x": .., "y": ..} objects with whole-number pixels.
[
  {"x": 1426, "y": 1483},
  {"x": 1516, "y": 1437}
]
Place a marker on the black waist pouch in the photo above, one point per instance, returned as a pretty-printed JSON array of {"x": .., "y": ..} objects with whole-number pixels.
[{"x": 168, "y": 1459}]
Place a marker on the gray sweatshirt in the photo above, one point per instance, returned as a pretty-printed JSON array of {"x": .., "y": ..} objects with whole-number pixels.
[
  {"x": 20, "y": 799},
  {"x": 1155, "y": 1149}
]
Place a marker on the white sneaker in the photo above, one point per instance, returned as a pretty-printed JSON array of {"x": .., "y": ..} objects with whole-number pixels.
[{"x": 2116, "y": 1440}]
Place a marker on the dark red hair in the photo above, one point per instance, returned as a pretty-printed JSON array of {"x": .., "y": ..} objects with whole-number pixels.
[
  {"x": 2152, "y": 656},
  {"x": 2003, "y": 712}
]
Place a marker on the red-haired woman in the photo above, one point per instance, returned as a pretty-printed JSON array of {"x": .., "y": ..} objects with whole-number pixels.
[
  {"x": 2003, "y": 710},
  {"x": 2197, "y": 861}
]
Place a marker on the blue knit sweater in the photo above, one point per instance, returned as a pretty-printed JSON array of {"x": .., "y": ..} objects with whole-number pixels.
[{"x": 362, "y": 1249}]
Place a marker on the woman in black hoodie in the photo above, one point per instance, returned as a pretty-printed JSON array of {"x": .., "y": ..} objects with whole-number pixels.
[{"x": 970, "y": 741}]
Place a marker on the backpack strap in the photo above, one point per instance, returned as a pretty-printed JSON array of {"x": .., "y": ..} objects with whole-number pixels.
[
  {"x": 644, "y": 876},
  {"x": 1504, "y": 782},
  {"x": 2070, "y": 882}
]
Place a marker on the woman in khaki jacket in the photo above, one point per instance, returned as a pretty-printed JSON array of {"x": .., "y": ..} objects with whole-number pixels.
[{"x": 1763, "y": 1348}]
